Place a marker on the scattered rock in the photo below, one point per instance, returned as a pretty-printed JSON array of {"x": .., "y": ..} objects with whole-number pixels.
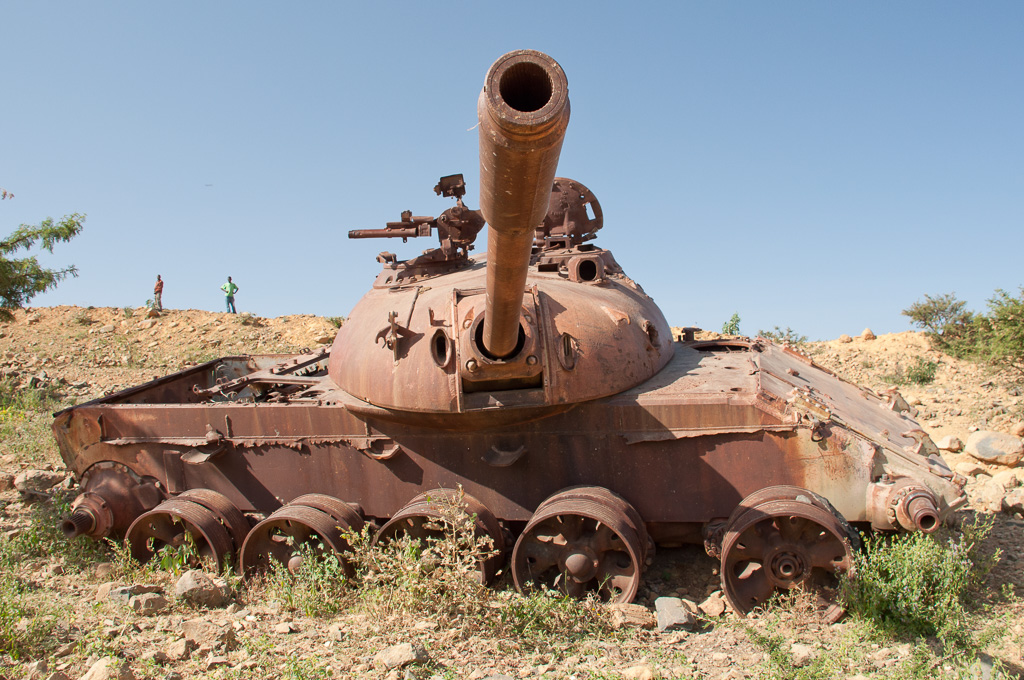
[
  {"x": 714, "y": 605},
  {"x": 950, "y": 443},
  {"x": 148, "y": 604},
  {"x": 181, "y": 650},
  {"x": 153, "y": 313},
  {"x": 6, "y": 482},
  {"x": 285, "y": 627},
  {"x": 995, "y": 447},
  {"x": 123, "y": 594},
  {"x": 673, "y": 615},
  {"x": 802, "y": 654},
  {"x": 970, "y": 468},
  {"x": 103, "y": 570},
  {"x": 155, "y": 656},
  {"x": 36, "y": 670},
  {"x": 639, "y": 672},
  {"x": 991, "y": 496},
  {"x": 147, "y": 324},
  {"x": 1009, "y": 479},
  {"x": 109, "y": 328},
  {"x": 866, "y": 334},
  {"x": 325, "y": 339},
  {"x": 1017, "y": 430},
  {"x": 38, "y": 481},
  {"x": 197, "y": 588},
  {"x": 844, "y": 338},
  {"x": 398, "y": 656},
  {"x": 635, "y": 615},
  {"x": 215, "y": 661},
  {"x": 58, "y": 675},
  {"x": 109, "y": 669},
  {"x": 203, "y": 632},
  {"x": 1014, "y": 501}
]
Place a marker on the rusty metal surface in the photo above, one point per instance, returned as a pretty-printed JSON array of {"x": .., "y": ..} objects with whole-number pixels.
[{"x": 533, "y": 371}]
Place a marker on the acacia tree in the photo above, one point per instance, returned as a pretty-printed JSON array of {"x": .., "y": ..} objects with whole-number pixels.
[{"x": 23, "y": 278}]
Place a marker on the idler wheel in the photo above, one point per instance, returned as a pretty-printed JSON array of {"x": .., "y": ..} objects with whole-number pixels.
[
  {"x": 230, "y": 516},
  {"x": 421, "y": 519},
  {"x": 582, "y": 540},
  {"x": 780, "y": 545},
  {"x": 176, "y": 522},
  {"x": 309, "y": 523}
]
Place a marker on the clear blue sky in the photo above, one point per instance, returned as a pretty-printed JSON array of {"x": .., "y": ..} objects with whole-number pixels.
[{"x": 819, "y": 165}]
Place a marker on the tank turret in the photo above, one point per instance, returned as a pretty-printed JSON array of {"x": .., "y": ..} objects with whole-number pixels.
[{"x": 531, "y": 326}]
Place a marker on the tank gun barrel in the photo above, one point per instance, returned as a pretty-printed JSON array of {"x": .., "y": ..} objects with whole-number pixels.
[{"x": 523, "y": 112}]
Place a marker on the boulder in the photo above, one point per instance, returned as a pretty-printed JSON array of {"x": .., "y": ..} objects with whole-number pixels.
[
  {"x": 1013, "y": 501},
  {"x": 802, "y": 654},
  {"x": 673, "y": 615},
  {"x": 148, "y": 604},
  {"x": 398, "y": 656},
  {"x": 970, "y": 468},
  {"x": 950, "y": 443},
  {"x": 633, "y": 615},
  {"x": 866, "y": 334},
  {"x": 991, "y": 496},
  {"x": 995, "y": 447},
  {"x": 203, "y": 632},
  {"x": 197, "y": 588},
  {"x": 714, "y": 605},
  {"x": 6, "y": 481},
  {"x": 181, "y": 650},
  {"x": 1009, "y": 479},
  {"x": 1017, "y": 429},
  {"x": 37, "y": 481},
  {"x": 844, "y": 338},
  {"x": 641, "y": 671}
]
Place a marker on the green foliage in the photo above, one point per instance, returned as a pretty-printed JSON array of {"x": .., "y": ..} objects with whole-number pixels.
[
  {"x": 920, "y": 584},
  {"x": 128, "y": 312},
  {"x": 732, "y": 326},
  {"x": 783, "y": 337},
  {"x": 178, "y": 558},
  {"x": 23, "y": 278},
  {"x": 921, "y": 372},
  {"x": 319, "y": 587},
  {"x": 336, "y": 321},
  {"x": 947, "y": 322},
  {"x": 1005, "y": 325}
]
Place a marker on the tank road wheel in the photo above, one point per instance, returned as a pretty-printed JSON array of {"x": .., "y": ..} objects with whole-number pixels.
[
  {"x": 313, "y": 522},
  {"x": 230, "y": 516},
  {"x": 182, "y": 526},
  {"x": 421, "y": 519},
  {"x": 779, "y": 545},
  {"x": 583, "y": 539}
]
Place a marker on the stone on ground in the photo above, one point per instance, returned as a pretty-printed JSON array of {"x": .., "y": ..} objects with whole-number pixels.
[
  {"x": 37, "y": 481},
  {"x": 995, "y": 447},
  {"x": 634, "y": 615},
  {"x": 714, "y": 605},
  {"x": 197, "y": 588},
  {"x": 950, "y": 443},
  {"x": 109, "y": 669},
  {"x": 148, "y": 604},
  {"x": 673, "y": 615},
  {"x": 398, "y": 656}
]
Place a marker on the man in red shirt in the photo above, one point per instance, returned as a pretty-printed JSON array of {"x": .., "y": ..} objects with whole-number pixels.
[{"x": 158, "y": 291}]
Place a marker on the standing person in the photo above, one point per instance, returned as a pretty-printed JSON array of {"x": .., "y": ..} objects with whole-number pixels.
[
  {"x": 229, "y": 291},
  {"x": 158, "y": 292}
]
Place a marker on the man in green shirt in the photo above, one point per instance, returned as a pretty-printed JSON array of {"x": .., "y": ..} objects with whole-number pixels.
[{"x": 229, "y": 290}]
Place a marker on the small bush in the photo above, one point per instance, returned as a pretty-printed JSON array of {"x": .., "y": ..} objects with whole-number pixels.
[
  {"x": 920, "y": 584},
  {"x": 82, "y": 318},
  {"x": 319, "y": 587},
  {"x": 128, "y": 312},
  {"x": 732, "y": 326},
  {"x": 784, "y": 337},
  {"x": 1005, "y": 331},
  {"x": 336, "y": 321},
  {"x": 921, "y": 372},
  {"x": 947, "y": 322}
]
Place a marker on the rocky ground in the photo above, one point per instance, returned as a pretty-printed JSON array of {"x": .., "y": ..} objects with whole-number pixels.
[{"x": 114, "y": 620}]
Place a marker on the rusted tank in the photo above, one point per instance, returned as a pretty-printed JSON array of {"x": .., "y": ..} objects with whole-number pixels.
[{"x": 543, "y": 382}]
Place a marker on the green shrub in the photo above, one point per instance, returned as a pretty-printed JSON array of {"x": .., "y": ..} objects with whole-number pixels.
[
  {"x": 319, "y": 587},
  {"x": 784, "y": 337},
  {"x": 732, "y": 326},
  {"x": 336, "y": 321},
  {"x": 947, "y": 322},
  {"x": 921, "y": 372},
  {"x": 921, "y": 584},
  {"x": 1005, "y": 331}
]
